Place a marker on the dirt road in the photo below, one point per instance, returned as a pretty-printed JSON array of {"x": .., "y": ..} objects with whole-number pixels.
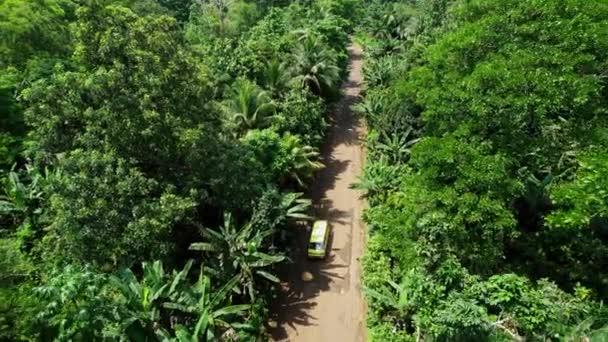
[{"x": 329, "y": 307}]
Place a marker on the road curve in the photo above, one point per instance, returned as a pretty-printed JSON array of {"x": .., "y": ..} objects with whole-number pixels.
[{"x": 330, "y": 308}]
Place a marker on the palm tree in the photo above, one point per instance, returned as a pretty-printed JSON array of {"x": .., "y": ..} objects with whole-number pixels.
[
  {"x": 302, "y": 163},
  {"x": 400, "y": 22},
  {"x": 248, "y": 107},
  {"x": 237, "y": 250},
  {"x": 315, "y": 65},
  {"x": 276, "y": 77}
]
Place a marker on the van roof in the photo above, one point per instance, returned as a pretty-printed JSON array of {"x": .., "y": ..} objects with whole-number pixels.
[{"x": 318, "y": 231}]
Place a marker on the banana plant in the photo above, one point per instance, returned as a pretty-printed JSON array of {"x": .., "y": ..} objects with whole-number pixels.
[
  {"x": 396, "y": 298},
  {"x": 214, "y": 315},
  {"x": 379, "y": 179},
  {"x": 158, "y": 295},
  {"x": 21, "y": 197},
  {"x": 238, "y": 250},
  {"x": 145, "y": 298},
  {"x": 397, "y": 147},
  {"x": 372, "y": 108},
  {"x": 18, "y": 196},
  {"x": 379, "y": 72},
  {"x": 295, "y": 206}
]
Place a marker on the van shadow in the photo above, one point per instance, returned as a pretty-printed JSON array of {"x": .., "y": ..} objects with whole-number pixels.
[{"x": 307, "y": 279}]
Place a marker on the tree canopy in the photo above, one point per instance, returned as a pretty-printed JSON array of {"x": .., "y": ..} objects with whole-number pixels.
[
  {"x": 155, "y": 153},
  {"x": 493, "y": 225},
  {"x": 151, "y": 163}
]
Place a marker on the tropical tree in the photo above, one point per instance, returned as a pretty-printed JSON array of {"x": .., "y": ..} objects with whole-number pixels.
[
  {"x": 20, "y": 197},
  {"x": 275, "y": 209},
  {"x": 22, "y": 200},
  {"x": 78, "y": 304},
  {"x": 123, "y": 102},
  {"x": 399, "y": 21},
  {"x": 31, "y": 29},
  {"x": 17, "y": 306},
  {"x": 276, "y": 77},
  {"x": 315, "y": 65},
  {"x": 301, "y": 160},
  {"x": 580, "y": 209},
  {"x": 107, "y": 213},
  {"x": 395, "y": 298},
  {"x": 379, "y": 179},
  {"x": 180, "y": 8},
  {"x": 144, "y": 298},
  {"x": 160, "y": 296},
  {"x": 248, "y": 107},
  {"x": 304, "y": 114},
  {"x": 286, "y": 157},
  {"x": 34, "y": 36},
  {"x": 238, "y": 251},
  {"x": 380, "y": 72},
  {"x": 295, "y": 206},
  {"x": 396, "y": 147},
  {"x": 209, "y": 305},
  {"x": 141, "y": 94},
  {"x": 509, "y": 174},
  {"x": 389, "y": 111},
  {"x": 210, "y": 19}
]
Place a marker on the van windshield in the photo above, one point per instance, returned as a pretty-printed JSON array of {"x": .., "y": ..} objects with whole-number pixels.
[{"x": 315, "y": 246}]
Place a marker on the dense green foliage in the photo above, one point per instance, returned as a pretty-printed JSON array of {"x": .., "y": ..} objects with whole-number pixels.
[
  {"x": 153, "y": 155},
  {"x": 487, "y": 170}
]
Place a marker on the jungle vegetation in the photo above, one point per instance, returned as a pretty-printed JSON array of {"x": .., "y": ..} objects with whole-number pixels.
[
  {"x": 153, "y": 155},
  {"x": 486, "y": 170}
]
